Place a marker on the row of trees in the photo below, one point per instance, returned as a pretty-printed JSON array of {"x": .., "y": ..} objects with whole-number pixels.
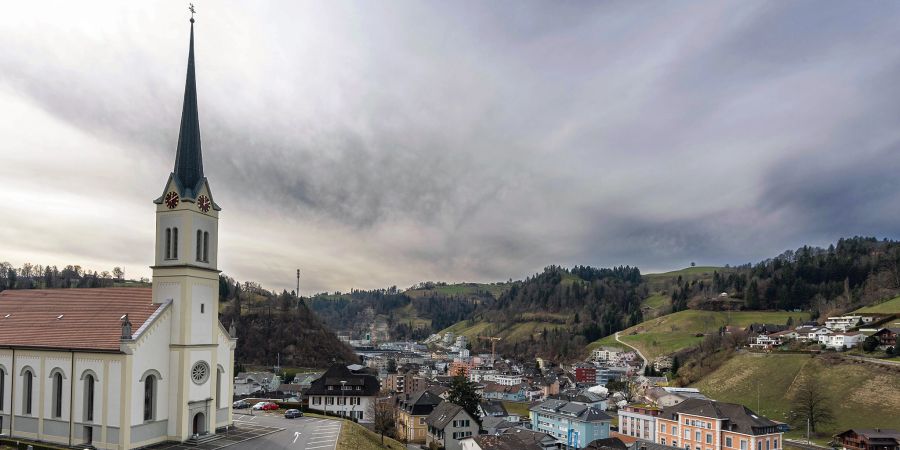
[{"x": 36, "y": 276}]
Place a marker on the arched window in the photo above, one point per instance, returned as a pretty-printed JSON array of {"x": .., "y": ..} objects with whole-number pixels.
[
  {"x": 168, "y": 243},
  {"x": 174, "y": 243},
  {"x": 89, "y": 398},
  {"x": 149, "y": 397},
  {"x": 206, "y": 246},
  {"x": 199, "y": 245},
  {"x": 57, "y": 394},
  {"x": 27, "y": 390}
]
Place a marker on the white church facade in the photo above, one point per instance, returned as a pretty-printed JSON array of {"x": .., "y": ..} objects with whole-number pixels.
[{"x": 123, "y": 368}]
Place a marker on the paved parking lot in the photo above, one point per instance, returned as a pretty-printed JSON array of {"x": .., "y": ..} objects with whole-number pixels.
[{"x": 272, "y": 431}]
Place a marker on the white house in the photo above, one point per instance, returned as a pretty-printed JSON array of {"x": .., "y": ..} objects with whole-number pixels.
[
  {"x": 813, "y": 334},
  {"x": 842, "y": 323},
  {"x": 764, "y": 341},
  {"x": 122, "y": 368},
  {"x": 347, "y": 391},
  {"x": 838, "y": 341},
  {"x": 606, "y": 354}
]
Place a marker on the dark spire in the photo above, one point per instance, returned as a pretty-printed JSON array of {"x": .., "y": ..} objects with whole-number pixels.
[{"x": 188, "y": 159}]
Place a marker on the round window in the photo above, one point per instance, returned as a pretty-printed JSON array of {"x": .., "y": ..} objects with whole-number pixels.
[{"x": 200, "y": 372}]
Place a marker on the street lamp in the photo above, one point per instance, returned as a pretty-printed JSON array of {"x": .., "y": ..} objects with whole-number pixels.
[{"x": 343, "y": 402}]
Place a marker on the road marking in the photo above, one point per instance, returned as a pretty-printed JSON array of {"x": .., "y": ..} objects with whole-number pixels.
[
  {"x": 296, "y": 436},
  {"x": 321, "y": 446}
]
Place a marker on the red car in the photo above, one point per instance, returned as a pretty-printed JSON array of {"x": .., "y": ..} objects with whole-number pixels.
[{"x": 265, "y": 406}]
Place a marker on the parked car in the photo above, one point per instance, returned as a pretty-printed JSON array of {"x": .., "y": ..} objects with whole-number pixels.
[
  {"x": 265, "y": 406},
  {"x": 292, "y": 413},
  {"x": 240, "y": 404}
]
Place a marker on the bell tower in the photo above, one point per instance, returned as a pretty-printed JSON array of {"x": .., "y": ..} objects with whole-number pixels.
[{"x": 185, "y": 273}]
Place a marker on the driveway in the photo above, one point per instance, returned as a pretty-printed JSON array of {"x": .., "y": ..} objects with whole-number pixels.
[{"x": 636, "y": 350}]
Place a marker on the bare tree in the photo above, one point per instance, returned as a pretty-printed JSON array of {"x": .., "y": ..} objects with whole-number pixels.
[
  {"x": 811, "y": 403},
  {"x": 383, "y": 415}
]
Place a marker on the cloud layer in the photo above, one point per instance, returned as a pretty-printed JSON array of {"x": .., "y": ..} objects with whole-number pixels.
[{"x": 372, "y": 144}]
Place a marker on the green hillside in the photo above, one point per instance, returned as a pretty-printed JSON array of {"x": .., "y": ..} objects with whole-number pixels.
[
  {"x": 859, "y": 393},
  {"x": 670, "y": 333},
  {"x": 515, "y": 332},
  {"x": 891, "y": 306},
  {"x": 458, "y": 289},
  {"x": 663, "y": 281}
]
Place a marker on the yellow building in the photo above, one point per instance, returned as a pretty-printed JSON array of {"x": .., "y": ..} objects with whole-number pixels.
[{"x": 412, "y": 409}]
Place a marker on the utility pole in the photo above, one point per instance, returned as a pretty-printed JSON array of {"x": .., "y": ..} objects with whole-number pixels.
[
  {"x": 298, "y": 283},
  {"x": 807, "y": 429}
]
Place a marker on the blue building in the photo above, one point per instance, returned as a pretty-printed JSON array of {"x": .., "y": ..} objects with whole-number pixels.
[{"x": 573, "y": 424}]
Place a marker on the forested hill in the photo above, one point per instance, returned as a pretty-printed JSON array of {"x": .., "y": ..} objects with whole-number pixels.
[
  {"x": 852, "y": 273},
  {"x": 555, "y": 313},
  {"x": 268, "y": 324}
]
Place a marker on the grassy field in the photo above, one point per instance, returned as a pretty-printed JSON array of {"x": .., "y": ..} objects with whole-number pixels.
[
  {"x": 656, "y": 301},
  {"x": 891, "y": 306},
  {"x": 860, "y": 394},
  {"x": 518, "y": 331},
  {"x": 670, "y": 333},
  {"x": 661, "y": 281},
  {"x": 520, "y": 408},
  {"x": 355, "y": 436},
  {"x": 462, "y": 289}
]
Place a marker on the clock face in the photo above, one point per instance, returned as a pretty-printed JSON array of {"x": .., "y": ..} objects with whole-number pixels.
[
  {"x": 171, "y": 200},
  {"x": 203, "y": 203}
]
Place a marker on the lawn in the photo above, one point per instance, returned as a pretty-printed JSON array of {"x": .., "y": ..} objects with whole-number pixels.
[
  {"x": 656, "y": 301},
  {"x": 891, "y": 306},
  {"x": 672, "y": 332},
  {"x": 462, "y": 289},
  {"x": 859, "y": 394},
  {"x": 520, "y": 408},
  {"x": 356, "y": 437}
]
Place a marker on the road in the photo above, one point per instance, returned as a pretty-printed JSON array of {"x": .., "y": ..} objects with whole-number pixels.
[
  {"x": 309, "y": 433},
  {"x": 873, "y": 360},
  {"x": 640, "y": 355}
]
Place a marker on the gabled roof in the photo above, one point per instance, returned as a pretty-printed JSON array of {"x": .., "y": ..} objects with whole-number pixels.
[
  {"x": 493, "y": 408},
  {"x": 739, "y": 418},
  {"x": 420, "y": 403},
  {"x": 444, "y": 413},
  {"x": 368, "y": 384},
  {"x": 73, "y": 319}
]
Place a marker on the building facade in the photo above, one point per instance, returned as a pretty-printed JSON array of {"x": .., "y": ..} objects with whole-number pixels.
[
  {"x": 412, "y": 410},
  {"x": 868, "y": 439},
  {"x": 698, "y": 424},
  {"x": 449, "y": 424},
  {"x": 573, "y": 424},
  {"x": 639, "y": 421},
  {"x": 349, "y": 393},
  {"x": 122, "y": 368}
]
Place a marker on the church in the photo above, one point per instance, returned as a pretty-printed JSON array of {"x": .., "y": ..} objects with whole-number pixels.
[{"x": 122, "y": 368}]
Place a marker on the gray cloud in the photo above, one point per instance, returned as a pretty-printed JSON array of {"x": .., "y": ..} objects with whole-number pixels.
[{"x": 392, "y": 143}]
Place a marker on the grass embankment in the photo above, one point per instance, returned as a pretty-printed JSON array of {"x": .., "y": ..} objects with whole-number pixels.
[
  {"x": 891, "y": 306},
  {"x": 860, "y": 394},
  {"x": 461, "y": 290},
  {"x": 661, "y": 281},
  {"x": 357, "y": 437},
  {"x": 673, "y": 332}
]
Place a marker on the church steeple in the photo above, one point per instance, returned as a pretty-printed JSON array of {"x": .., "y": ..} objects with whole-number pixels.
[{"x": 188, "y": 171}]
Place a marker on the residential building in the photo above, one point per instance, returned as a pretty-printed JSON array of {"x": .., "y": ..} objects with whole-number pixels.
[
  {"x": 887, "y": 337},
  {"x": 448, "y": 424},
  {"x": 841, "y": 340},
  {"x": 496, "y": 391},
  {"x": 122, "y": 368},
  {"x": 605, "y": 354},
  {"x": 639, "y": 421},
  {"x": 412, "y": 410},
  {"x": 503, "y": 379},
  {"x": 702, "y": 424},
  {"x": 607, "y": 374},
  {"x": 765, "y": 328},
  {"x": 572, "y": 424},
  {"x": 511, "y": 439},
  {"x": 811, "y": 333},
  {"x": 765, "y": 341},
  {"x": 868, "y": 439},
  {"x": 842, "y": 323},
  {"x": 585, "y": 373},
  {"x": 459, "y": 368},
  {"x": 343, "y": 391},
  {"x": 492, "y": 408}
]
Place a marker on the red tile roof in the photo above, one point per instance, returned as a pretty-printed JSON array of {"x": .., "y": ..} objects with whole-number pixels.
[{"x": 90, "y": 317}]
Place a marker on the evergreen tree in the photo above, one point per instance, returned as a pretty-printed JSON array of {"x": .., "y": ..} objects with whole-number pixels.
[{"x": 463, "y": 393}]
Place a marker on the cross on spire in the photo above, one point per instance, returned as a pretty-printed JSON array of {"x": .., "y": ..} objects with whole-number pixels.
[{"x": 191, "y": 9}]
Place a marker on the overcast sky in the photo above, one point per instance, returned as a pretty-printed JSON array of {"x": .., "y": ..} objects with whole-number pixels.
[{"x": 375, "y": 143}]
